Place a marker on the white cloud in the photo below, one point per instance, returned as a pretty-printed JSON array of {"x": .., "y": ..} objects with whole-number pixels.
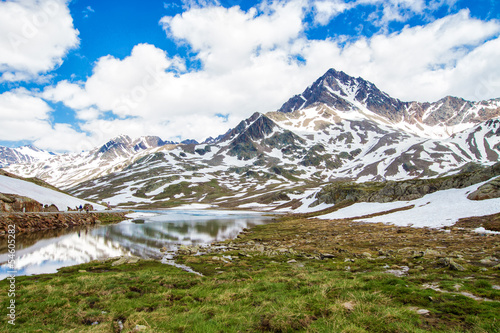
[
  {"x": 382, "y": 12},
  {"x": 34, "y": 37},
  {"x": 19, "y": 105},
  {"x": 225, "y": 39},
  {"x": 325, "y": 10},
  {"x": 25, "y": 117},
  {"x": 190, "y": 4}
]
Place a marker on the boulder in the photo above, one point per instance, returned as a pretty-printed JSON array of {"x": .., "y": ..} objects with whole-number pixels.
[
  {"x": 17, "y": 203},
  {"x": 451, "y": 264},
  {"x": 88, "y": 207},
  {"x": 52, "y": 208},
  {"x": 490, "y": 190}
]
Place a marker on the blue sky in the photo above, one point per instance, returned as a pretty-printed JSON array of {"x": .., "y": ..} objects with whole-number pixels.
[{"x": 74, "y": 74}]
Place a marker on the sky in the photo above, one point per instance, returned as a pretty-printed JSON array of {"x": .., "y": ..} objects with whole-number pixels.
[{"x": 74, "y": 74}]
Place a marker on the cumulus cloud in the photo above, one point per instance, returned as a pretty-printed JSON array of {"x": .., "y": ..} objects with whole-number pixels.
[
  {"x": 220, "y": 48},
  {"x": 382, "y": 12},
  {"x": 26, "y": 117},
  {"x": 34, "y": 37},
  {"x": 325, "y": 10}
]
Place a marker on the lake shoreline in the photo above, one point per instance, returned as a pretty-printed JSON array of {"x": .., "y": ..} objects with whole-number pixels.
[{"x": 34, "y": 222}]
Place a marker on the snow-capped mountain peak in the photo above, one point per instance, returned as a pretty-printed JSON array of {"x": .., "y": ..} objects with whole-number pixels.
[
  {"x": 344, "y": 94},
  {"x": 22, "y": 155}
]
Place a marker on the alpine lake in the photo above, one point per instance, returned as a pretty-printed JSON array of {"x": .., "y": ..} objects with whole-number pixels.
[{"x": 142, "y": 236}]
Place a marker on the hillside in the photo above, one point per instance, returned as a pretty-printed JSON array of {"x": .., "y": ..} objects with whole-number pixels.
[{"x": 45, "y": 195}]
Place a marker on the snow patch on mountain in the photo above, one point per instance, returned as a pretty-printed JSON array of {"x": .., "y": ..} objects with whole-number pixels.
[{"x": 41, "y": 194}]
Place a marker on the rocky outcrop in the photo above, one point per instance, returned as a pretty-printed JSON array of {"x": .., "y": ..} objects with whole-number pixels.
[
  {"x": 17, "y": 203},
  {"x": 412, "y": 189},
  {"x": 489, "y": 190}
]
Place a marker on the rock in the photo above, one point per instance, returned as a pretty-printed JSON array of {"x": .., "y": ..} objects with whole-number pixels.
[
  {"x": 259, "y": 248},
  {"x": 126, "y": 260},
  {"x": 349, "y": 306},
  {"x": 120, "y": 325},
  {"x": 423, "y": 312},
  {"x": 489, "y": 190},
  {"x": 7, "y": 199},
  {"x": 51, "y": 208},
  {"x": 432, "y": 253},
  {"x": 140, "y": 328},
  {"x": 418, "y": 254},
  {"x": 88, "y": 207},
  {"x": 490, "y": 261},
  {"x": 366, "y": 255},
  {"x": 292, "y": 261},
  {"x": 82, "y": 271},
  {"x": 451, "y": 264},
  {"x": 327, "y": 256}
]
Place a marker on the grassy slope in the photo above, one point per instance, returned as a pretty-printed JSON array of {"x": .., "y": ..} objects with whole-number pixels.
[{"x": 262, "y": 291}]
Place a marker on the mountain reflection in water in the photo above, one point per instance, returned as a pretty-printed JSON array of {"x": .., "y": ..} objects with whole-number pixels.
[{"x": 45, "y": 252}]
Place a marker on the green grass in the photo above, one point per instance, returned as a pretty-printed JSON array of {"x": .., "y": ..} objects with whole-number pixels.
[
  {"x": 248, "y": 294},
  {"x": 267, "y": 292}
]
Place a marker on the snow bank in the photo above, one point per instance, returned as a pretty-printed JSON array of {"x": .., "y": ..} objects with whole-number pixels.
[
  {"x": 436, "y": 210},
  {"x": 482, "y": 230},
  {"x": 41, "y": 194}
]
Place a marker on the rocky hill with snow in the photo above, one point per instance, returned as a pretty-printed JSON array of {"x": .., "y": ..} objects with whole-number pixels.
[
  {"x": 66, "y": 170},
  {"x": 339, "y": 128},
  {"x": 22, "y": 155}
]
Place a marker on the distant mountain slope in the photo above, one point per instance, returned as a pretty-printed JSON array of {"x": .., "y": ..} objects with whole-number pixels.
[
  {"x": 339, "y": 128},
  {"x": 261, "y": 162},
  {"x": 22, "y": 155},
  {"x": 67, "y": 170}
]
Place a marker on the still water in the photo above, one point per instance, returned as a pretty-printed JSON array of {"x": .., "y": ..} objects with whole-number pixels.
[{"x": 45, "y": 252}]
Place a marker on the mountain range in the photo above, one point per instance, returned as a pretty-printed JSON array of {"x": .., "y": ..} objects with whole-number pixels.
[{"x": 339, "y": 128}]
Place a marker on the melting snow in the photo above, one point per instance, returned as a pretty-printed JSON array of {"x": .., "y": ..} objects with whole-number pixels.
[
  {"x": 436, "y": 210},
  {"x": 41, "y": 194}
]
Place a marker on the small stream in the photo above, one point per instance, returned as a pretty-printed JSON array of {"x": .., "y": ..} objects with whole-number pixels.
[{"x": 142, "y": 236}]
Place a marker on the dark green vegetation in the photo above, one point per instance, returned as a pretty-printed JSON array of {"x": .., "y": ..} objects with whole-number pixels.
[{"x": 299, "y": 274}]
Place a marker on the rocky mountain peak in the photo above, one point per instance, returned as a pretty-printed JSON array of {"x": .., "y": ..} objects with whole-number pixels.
[
  {"x": 341, "y": 93},
  {"x": 255, "y": 127},
  {"x": 123, "y": 145}
]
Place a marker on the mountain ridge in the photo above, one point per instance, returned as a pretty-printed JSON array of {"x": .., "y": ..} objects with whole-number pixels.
[
  {"x": 340, "y": 128},
  {"x": 344, "y": 93}
]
